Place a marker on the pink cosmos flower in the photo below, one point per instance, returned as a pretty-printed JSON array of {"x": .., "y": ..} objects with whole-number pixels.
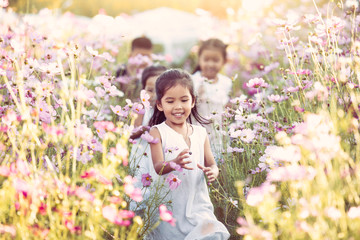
[
  {"x": 109, "y": 213},
  {"x": 276, "y": 98},
  {"x": 95, "y": 145},
  {"x": 51, "y": 68},
  {"x": 256, "y": 194},
  {"x": 115, "y": 200},
  {"x": 130, "y": 190},
  {"x": 138, "y": 108},
  {"x": 145, "y": 99},
  {"x": 317, "y": 40},
  {"x": 126, "y": 214},
  {"x": 53, "y": 130},
  {"x": 10, "y": 117},
  {"x": 101, "y": 133},
  {"x": 285, "y": 25},
  {"x": 176, "y": 167},
  {"x": 302, "y": 72},
  {"x": 129, "y": 104},
  {"x": 104, "y": 81},
  {"x": 166, "y": 215},
  {"x": 117, "y": 217},
  {"x": 100, "y": 92},
  {"x": 82, "y": 193},
  {"x": 292, "y": 89},
  {"x": 106, "y": 125},
  {"x": 113, "y": 91},
  {"x": 257, "y": 83},
  {"x": 150, "y": 139},
  {"x": 247, "y": 135},
  {"x": 93, "y": 52},
  {"x": 118, "y": 111},
  {"x": 46, "y": 112},
  {"x": 91, "y": 173},
  {"x": 235, "y": 149},
  {"x": 140, "y": 60},
  {"x": 82, "y": 131},
  {"x": 244, "y": 225},
  {"x": 310, "y": 18},
  {"x": 173, "y": 180},
  {"x": 287, "y": 42},
  {"x": 107, "y": 57},
  {"x": 71, "y": 226},
  {"x": 299, "y": 109},
  {"x": 22, "y": 186},
  {"x": 146, "y": 179},
  {"x": 291, "y": 173}
]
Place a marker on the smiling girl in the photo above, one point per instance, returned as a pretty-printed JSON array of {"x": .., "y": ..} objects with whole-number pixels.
[{"x": 190, "y": 158}]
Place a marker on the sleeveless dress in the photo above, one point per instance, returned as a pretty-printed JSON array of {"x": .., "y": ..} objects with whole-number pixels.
[
  {"x": 212, "y": 99},
  {"x": 191, "y": 204}
]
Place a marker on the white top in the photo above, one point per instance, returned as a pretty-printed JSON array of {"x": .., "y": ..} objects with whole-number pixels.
[
  {"x": 141, "y": 163},
  {"x": 191, "y": 204},
  {"x": 212, "y": 98}
]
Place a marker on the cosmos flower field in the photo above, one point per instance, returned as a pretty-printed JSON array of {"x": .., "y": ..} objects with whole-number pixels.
[{"x": 290, "y": 167}]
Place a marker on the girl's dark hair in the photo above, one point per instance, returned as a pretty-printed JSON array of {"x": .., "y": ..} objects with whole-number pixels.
[
  {"x": 167, "y": 80},
  {"x": 211, "y": 44},
  {"x": 151, "y": 71}
]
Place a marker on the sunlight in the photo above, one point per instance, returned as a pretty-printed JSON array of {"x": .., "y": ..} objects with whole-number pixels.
[{"x": 255, "y": 5}]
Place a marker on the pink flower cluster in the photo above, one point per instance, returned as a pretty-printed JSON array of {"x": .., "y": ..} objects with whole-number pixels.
[{"x": 118, "y": 217}]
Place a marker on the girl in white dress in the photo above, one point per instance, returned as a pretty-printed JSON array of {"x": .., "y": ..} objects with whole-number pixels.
[
  {"x": 183, "y": 155},
  {"x": 212, "y": 88},
  {"x": 140, "y": 155}
]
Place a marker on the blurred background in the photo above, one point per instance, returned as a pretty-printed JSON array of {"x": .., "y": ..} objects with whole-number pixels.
[
  {"x": 174, "y": 26},
  {"x": 218, "y": 8},
  {"x": 115, "y": 7}
]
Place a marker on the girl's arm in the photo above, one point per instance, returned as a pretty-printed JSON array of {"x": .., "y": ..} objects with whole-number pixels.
[
  {"x": 210, "y": 169},
  {"x": 161, "y": 167},
  {"x": 137, "y": 123}
]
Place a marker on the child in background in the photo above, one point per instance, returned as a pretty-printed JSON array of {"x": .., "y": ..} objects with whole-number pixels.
[
  {"x": 140, "y": 156},
  {"x": 129, "y": 74},
  {"x": 183, "y": 149},
  {"x": 213, "y": 89}
]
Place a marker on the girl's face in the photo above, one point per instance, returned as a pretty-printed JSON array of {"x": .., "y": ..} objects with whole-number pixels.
[
  {"x": 211, "y": 61},
  {"x": 176, "y": 105},
  {"x": 150, "y": 89}
]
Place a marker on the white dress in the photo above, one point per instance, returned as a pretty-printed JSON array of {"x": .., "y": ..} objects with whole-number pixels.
[
  {"x": 191, "y": 204},
  {"x": 141, "y": 163},
  {"x": 212, "y": 98}
]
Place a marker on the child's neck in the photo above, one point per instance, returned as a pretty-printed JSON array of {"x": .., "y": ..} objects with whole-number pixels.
[
  {"x": 176, "y": 126},
  {"x": 184, "y": 129}
]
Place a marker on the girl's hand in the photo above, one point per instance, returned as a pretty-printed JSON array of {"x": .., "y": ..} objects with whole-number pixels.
[
  {"x": 139, "y": 131},
  {"x": 181, "y": 159},
  {"x": 210, "y": 172}
]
